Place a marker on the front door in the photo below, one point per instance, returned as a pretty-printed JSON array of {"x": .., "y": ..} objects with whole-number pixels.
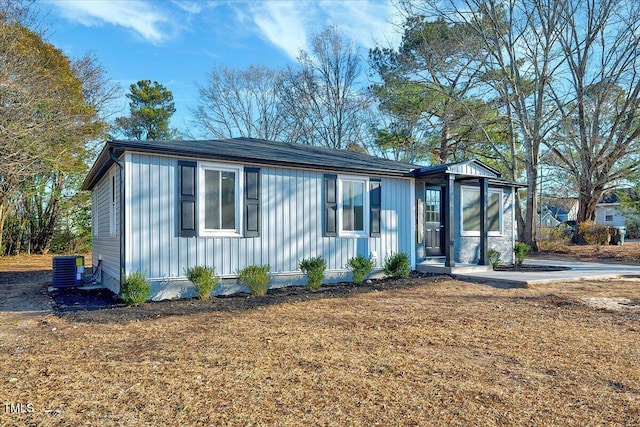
[{"x": 432, "y": 225}]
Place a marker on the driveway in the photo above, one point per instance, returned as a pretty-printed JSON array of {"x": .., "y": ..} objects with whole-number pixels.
[{"x": 573, "y": 271}]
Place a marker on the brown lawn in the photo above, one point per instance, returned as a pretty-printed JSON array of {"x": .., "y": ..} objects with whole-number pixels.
[
  {"x": 628, "y": 253},
  {"x": 442, "y": 352}
]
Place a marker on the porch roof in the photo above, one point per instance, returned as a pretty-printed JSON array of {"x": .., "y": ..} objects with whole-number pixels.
[
  {"x": 467, "y": 169},
  {"x": 464, "y": 168}
]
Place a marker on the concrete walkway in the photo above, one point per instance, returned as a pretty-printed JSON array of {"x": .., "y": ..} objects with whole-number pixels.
[{"x": 576, "y": 271}]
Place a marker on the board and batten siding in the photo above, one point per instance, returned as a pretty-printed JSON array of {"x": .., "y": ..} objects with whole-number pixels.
[
  {"x": 472, "y": 169},
  {"x": 105, "y": 244},
  {"x": 290, "y": 228}
]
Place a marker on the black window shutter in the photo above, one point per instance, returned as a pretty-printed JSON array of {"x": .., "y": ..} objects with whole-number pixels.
[
  {"x": 330, "y": 210},
  {"x": 375, "y": 204},
  {"x": 251, "y": 202},
  {"x": 187, "y": 194}
]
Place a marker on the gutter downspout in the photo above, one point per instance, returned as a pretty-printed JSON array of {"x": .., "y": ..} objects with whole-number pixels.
[{"x": 120, "y": 164}]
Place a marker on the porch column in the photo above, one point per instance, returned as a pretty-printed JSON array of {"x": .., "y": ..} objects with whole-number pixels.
[
  {"x": 449, "y": 198},
  {"x": 484, "y": 232}
]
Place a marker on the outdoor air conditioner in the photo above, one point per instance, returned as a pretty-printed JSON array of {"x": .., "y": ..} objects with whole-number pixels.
[{"x": 68, "y": 271}]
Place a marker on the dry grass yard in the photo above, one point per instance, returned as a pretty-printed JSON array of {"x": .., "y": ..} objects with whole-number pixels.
[{"x": 434, "y": 352}]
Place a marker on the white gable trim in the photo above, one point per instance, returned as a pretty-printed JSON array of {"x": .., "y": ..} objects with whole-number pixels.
[{"x": 472, "y": 168}]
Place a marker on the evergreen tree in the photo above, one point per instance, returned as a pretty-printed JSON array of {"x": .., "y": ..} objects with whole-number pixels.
[{"x": 150, "y": 109}]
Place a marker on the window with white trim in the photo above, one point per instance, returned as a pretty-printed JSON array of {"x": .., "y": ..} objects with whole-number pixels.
[
  {"x": 219, "y": 200},
  {"x": 353, "y": 206},
  {"x": 608, "y": 217},
  {"x": 470, "y": 212}
]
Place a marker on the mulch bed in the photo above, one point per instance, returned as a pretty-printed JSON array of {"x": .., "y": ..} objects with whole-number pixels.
[{"x": 102, "y": 306}]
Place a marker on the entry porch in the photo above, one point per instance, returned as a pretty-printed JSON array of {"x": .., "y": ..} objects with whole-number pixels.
[{"x": 462, "y": 210}]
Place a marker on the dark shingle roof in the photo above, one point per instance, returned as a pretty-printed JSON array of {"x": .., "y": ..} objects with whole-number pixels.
[
  {"x": 254, "y": 151},
  {"x": 612, "y": 196}
]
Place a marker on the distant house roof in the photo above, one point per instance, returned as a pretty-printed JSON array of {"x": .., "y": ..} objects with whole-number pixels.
[
  {"x": 611, "y": 196},
  {"x": 263, "y": 152},
  {"x": 556, "y": 211}
]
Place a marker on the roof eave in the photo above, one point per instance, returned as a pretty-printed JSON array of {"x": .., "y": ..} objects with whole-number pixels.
[
  {"x": 104, "y": 162},
  {"x": 100, "y": 166}
]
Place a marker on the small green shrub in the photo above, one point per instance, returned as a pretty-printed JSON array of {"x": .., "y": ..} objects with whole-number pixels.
[
  {"x": 256, "y": 277},
  {"x": 494, "y": 257},
  {"x": 135, "y": 289},
  {"x": 555, "y": 239},
  {"x": 397, "y": 265},
  {"x": 204, "y": 278},
  {"x": 594, "y": 234},
  {"x": 520, "y": 251},
  {"x": 314, "y": 269},
  {"x": 360, "y": 267}
]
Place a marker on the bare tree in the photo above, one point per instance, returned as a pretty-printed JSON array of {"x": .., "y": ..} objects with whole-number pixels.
[
  {"x": 98, "y": 89},
  {"x": 241, "y": 103},
  {"x": 99, "y": 92},
  {"x": 523, "y": 56},
  {"x": 597, "y": 142},
  {"x": 321, "y": 96}
]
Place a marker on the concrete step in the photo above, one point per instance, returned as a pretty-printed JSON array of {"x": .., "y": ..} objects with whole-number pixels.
[{"x": 458, "y": 269}]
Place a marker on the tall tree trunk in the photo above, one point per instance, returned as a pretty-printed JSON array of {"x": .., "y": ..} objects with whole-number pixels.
[
  {"x": 443, "y": 152},
  {"x": 519, "y": 218},
  {"x": 587, "y": 201},
  {"x": 529, "y": 231},
  {"x": 3, "y": 216},
  {"x": 43, "y": 226}
]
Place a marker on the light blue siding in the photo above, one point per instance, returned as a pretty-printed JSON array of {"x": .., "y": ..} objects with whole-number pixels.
[
  {"x": 291, "y": 224},
  {"x": 106, "y": 245},
  {"x": 612, "y": 210}
]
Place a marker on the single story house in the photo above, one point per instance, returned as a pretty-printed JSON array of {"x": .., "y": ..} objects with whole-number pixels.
[{"x": 160, "y": 207}]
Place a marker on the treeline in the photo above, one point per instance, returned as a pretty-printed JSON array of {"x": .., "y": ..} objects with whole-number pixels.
[
  {"x": 51, "y": 108},
  {"x": 522, "y": 85}
]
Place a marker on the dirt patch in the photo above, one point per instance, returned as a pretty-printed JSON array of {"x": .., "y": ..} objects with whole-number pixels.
[
  {"x": 611, "y": 303},
  {"x": 25, "y": 291}
]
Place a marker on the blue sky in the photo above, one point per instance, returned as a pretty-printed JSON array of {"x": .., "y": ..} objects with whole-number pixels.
[{"x": 177, "y": 42}]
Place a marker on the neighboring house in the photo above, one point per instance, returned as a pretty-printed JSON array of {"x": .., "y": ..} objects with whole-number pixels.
[
  {"x": 160, "y": 207},
  {"x": 561, "y": 211},
  {"x": 550, "y": 218},
  {"x": 608, "y": 210}
]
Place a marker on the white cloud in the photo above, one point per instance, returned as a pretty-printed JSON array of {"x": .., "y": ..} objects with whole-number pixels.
[
  {"x": 138, "y": 16},
  {"x": 282, "y": 23},
  {"x": 189, "y": 6},
  {"x": 366, "y": 22},
  {"x": 289, "y": 24}
]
